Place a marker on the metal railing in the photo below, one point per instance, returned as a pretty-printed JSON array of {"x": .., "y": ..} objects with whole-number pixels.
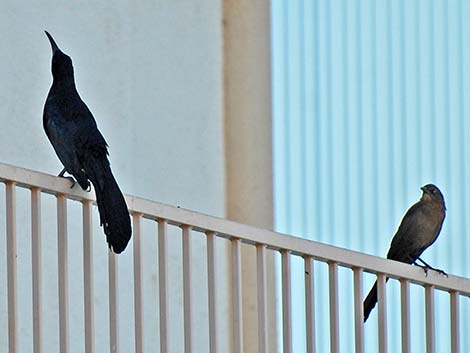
[{"x": 213, "y": 229}]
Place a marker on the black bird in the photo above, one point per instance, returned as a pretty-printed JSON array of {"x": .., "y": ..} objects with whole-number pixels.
[
  {"x": 82, "y": 149},
  {"x": 418, "y": 230}
]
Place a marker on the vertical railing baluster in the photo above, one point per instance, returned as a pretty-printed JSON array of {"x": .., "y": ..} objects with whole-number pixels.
[
  {"x": 334, "y": 312},
  {"x": 358, "y": 310},
  {"x": 62, "y": 249},
  {"x": 310, "y": 304},
  {"x": 36, "y": 267},
  {"x": 430, "y": 323},
  {"x": 138, "y": 319},
  {"x": 405, "y": 316},
  {"x": 455, "y": 322},
  {"x": 382, "y": 312},
  {"x": 88, "y": 277},
  {"x": 262, "y": 299},
  {"x": 16, "y": 340},
  {"x": 212, "y": 294},
  {"x": 163, "y": 283},
  {"x": 113, "y": 303},
  {"x": 237, "y": 296},
  {"x": 187, "y": 290},
  {"x": 286, "y": 302},
  {"x": 11, "y": 268}
]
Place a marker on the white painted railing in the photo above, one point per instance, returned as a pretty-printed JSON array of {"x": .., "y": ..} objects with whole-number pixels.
[{"x": 214, "y": 229}]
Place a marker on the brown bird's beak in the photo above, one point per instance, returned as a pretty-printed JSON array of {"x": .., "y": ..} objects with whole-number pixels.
[
  {"x": 423, "y": 189},
  {"x": 53, "y": 44}
]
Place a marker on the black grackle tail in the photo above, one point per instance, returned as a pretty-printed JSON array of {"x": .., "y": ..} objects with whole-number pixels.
[{"x": 114, "y": 215}]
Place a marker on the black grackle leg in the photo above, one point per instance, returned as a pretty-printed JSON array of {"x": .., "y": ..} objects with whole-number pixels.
[{"x": 72, "y": 180}]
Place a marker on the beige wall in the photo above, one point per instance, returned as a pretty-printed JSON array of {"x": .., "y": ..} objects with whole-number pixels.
[{"x": 248, "y": 133}]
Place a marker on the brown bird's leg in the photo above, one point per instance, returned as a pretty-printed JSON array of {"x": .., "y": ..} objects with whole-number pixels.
[
  {"x": 427, "y": 266},
  {"x": 61, "y": 174}
]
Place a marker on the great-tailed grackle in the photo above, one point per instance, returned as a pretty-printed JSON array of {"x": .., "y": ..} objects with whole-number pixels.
[
  {"x": 418, "y": 230},
  {"x": 82, "y": 149}
]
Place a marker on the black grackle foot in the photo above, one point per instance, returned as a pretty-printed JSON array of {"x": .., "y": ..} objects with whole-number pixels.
[{"x": 72, "y": 180}]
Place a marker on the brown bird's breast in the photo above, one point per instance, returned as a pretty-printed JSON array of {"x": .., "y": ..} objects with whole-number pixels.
[{"x": 429, "y": 224}]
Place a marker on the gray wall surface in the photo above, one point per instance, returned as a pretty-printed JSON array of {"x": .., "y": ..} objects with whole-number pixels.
[{"x": 151, "y": 73}]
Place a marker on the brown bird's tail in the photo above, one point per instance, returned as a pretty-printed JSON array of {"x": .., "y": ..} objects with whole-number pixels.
[
  {"x": 114, "y": 215},
  {"x": 370, "y": 301}
]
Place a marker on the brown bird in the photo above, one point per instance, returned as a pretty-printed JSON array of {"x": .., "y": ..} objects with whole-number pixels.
[{"x": 418, "y": 230}]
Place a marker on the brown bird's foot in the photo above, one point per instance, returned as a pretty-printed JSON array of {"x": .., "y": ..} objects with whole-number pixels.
[
  {"x": 425, "y": 269},
  {"x": 437, "y": 270},
  {"x": 440, "y": 272},
  {"x": 428, "y": 267}
]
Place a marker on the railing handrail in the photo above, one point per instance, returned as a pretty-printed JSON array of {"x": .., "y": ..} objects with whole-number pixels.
[{"x": 277, "y": 241}]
